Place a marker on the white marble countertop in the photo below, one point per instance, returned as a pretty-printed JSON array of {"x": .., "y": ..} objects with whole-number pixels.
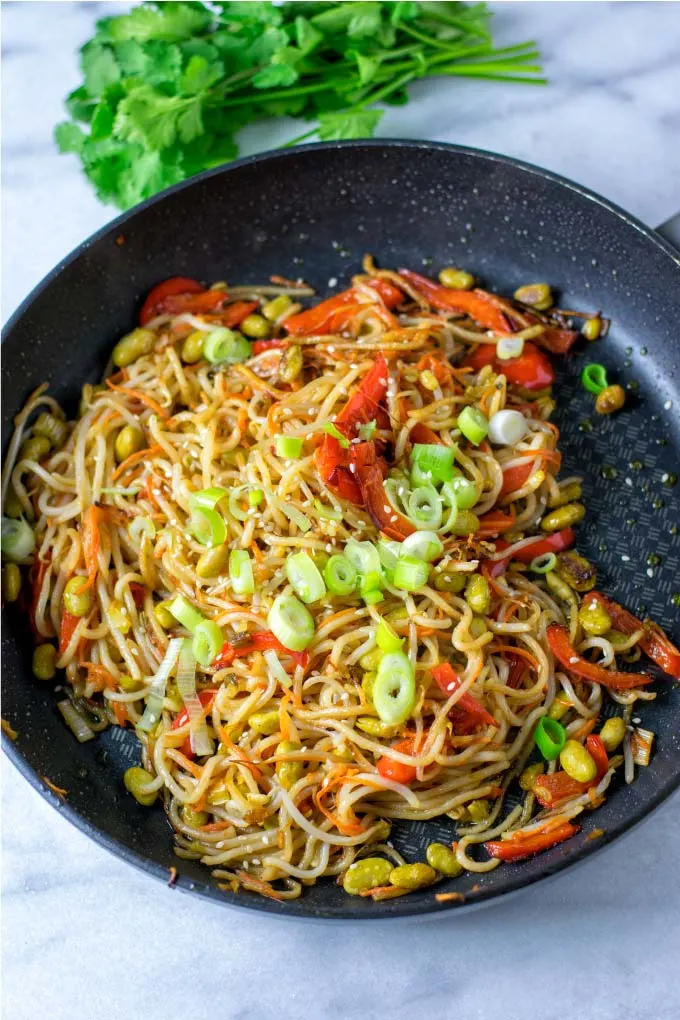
[{"x": 87, "y": 936}]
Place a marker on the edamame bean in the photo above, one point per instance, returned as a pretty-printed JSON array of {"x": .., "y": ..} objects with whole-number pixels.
[
  {"x": 610, "y": 399},
  {"x": 566, "y": 494},
  {"x": 135, "y": 779},
  {"x": 192, "y": 348},
  {"x": 366, "y": 874},
  {"x": 213, "y": 561},
  {"x": 443, "y": 859},
  {"x": 531, "y": 773},
  {"x": 77, "y": 601},
  {"x": 592, "y": 328},
  {"x": 128, "y": 441},
  {"x": 577, "y": 763},
  {"x": 133, "y": 346},
  {"x": 537, "y": 295},
  {"x": 578, "y": 572},
  {"x": 477, "y": 594},
  {"x": 11, "y": 582},
  {"x": 289, "y": 771},
  {"x": 35, "y": 448},
  {"x": 194, "y": 819},
  {"x": 275, "y": 308},
  {"x": 456, "y": 279},
  {"x": 594, "y": 618},
  {"x": 266, "y": 723},
  {"x": 413, "y": 876},
  {"x": 163, "y": 615},
  {"x": 44, "y": 659},
  {"x": 255, "y": 327},
  {"x": 613, "y": 732},
  {"x": 54, "y": 429},
  {"x": 563, "y": 517},
  {"x": 292, "y": 363}
]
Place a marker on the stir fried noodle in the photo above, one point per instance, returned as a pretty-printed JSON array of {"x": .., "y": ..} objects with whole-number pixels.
[{"x": 324, "y": 574}]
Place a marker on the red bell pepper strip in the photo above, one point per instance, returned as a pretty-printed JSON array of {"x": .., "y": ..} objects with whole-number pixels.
[
  {"x": 493, "y": 523},
  {"x": 368, "y": 473},
  {"x": 235, "y": 313},
  {"x": 598, "y": 752},
  {"x": 653, "y": 642},
  {"x": 555, "y": 790},
  {"x": 556, "y": 340},
  {"x": 522, "y": 845},
  {"x": 195, "y": 304},
  {"x": 138, "y": 591},
  {"x": 468, "y": 713},
  {"x": 366, "y": 403},
  {"x": 261, "y": 641},
  {"x": 569, "y": 658},
  {"x": 518, "y": 668},
  {"x": 397, "y": 771},
  {"x": 422, "y": 434},
  {"x": 479, "y": 305},
  {"x": 260, "y": 346},
  {"x": 332, "y": 315},
  {"x": 206, "y": 698},
  {"x": 531, "y": 370},
  {"x": 153, "y": 305},
  {"x": 69, "y": 622},
  {"x": 515, "y": 477},
  {"x": 556, "y": 542}
]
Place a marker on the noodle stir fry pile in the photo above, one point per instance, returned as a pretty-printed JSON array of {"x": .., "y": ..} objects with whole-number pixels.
[{"x": 320, "y": 560}]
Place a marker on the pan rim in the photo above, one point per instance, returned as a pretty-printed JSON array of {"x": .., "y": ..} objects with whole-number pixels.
[{"x": 296, "y": 909}]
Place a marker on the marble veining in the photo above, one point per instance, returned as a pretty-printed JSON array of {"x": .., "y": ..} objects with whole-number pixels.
[{"x": 85, "y": 934}]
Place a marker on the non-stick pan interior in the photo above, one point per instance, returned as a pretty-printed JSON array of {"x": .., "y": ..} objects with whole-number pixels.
[{"x": 313, "y": 212}]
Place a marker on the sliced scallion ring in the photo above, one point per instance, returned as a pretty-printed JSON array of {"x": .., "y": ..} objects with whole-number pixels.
[
  {"x": 208, "y": 642},
  {"x": 462, "y": 490},
  {"x": 386, "y": 638},
  {"x": 184, "y": 613},
  {"x": 17, "y": 541},
  {"x": 241, "y": 572},
  {"x": 411, "y": 574},
  {"x": 291, "y": 623},
  {"x": 543, "y": 564},
  {"x": 424, "y": 545},
  {"x": 340, "y": 575},
  {"x": 288, "y": 447},
  {"x": 434, "y": 461},
  {"x": 394, "y": 688},
  {"x": 473, "y": 424},
  {"x": 208, "y": 497},
  {"x": 208, "y": 527},
  {"x": 303, "y": 574},
  {"x": 425, "y": 508},
  {"x": 224, "y": 346},
  {"x": 141, "y": 526}
]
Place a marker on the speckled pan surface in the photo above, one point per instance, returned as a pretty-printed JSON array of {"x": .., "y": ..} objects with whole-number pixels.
[{"x": 313, "y": 212}]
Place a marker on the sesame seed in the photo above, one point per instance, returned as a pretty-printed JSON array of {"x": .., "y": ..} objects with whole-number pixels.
[
  {"x": 636, "y": 719},
  {"x": 333, "y": 282},
  {"x": 626, "y": 559},
  {"x": 668, "y": 405},
  {"x": 650, "y": 572}
]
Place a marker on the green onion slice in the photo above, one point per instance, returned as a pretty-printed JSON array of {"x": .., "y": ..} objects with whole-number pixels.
[
  {"x": 387, "y": 639},
  {"x": 543, "y": 564},
  {"x": 367, "y": 431},
  {"x": 236, "y": 511},
  {"x": 340, "y": 575},
  {"x": 371, "y": 596},
  {"x": 388, "y": 553},
  {"x": 255, "y": 497},
  {"x": 288, "y": 447},
  {"x": 223, "y": 345},
  {"x": 208, "y": 642},
  {"x": 364, "y": 557},
  {"x": 241, "y": 572},
  {"x": 303, "y": 574},
  {"x": 463, "y": 490},
  {"x": 141, "y": 526},
  {"x": 335, "y": 432},
  {"x": 327, "y": 513},
  {"x": 154, "y": 700},
  {"x": 411, "y": 574},
  {"x": 425, "y": 508},
  {"x": 201, "y": 744},
  {"x": 208, "y": 527},
  {"x": 291, "y": 623},
  {"x": 594, "y": 378},
  {"x": 473, "y": 425},
  {"x": 394, "y": 688},
  {"x": 292, "y": 513},
  {"x": 550, "y": 737},
  {"x": 208, "y": 497},
  {"x": 424, "y": 545},
  {"x": 184, "y": 613},
  {"x": 434, "y": 460},
  {"x": 17, "y": 539},
  {"x": 276, "y": 668}
]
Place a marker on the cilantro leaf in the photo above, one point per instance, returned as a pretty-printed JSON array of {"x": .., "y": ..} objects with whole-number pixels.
[
  {"x": 99, "y": 68},
  {"x": 69, "y": 137},
  {"x": 167, "y": 87},
  {"x": 167, "y": 22},
  {"x": 348, "y": 124}
]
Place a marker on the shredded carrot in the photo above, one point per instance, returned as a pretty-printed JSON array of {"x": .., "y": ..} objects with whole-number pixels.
[
  {"x": 120, "y": 712},
  {"x": 256, "y": 551},
  {"x": 142, "y": 397},
  {"x": 60, "y": 792},
  {"x": 8, "y": 730},
  {"x": 99, "y": 674},
  {"x": 522, "y": 652},
  {"x": 173, "y": 877},
  {"x": 583, "y": 731},
  {"x": 240, "y": 755},
  {"x": 449, "y": 897},
  {"x": 383, "y": 892},
  {"x": 186, "y": 763},
  {"x": 258, "y": 886},
  {"x": 91, "y": 543},
  {"x": 134, "y": 458},
  {"x": 216, "y": 827}
]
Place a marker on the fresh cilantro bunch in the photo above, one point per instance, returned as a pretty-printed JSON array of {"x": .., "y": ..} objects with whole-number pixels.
[{"x": 168, "y": 86}]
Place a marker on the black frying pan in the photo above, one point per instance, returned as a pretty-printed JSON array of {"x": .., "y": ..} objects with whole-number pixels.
[{"x": 313, "y": 212}]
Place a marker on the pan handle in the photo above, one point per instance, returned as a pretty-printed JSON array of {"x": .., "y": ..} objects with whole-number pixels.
[{"x": 670, "y": 230}]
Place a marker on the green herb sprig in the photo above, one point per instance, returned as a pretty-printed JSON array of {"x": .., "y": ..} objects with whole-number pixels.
[{"x": 168, "y": 86}]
